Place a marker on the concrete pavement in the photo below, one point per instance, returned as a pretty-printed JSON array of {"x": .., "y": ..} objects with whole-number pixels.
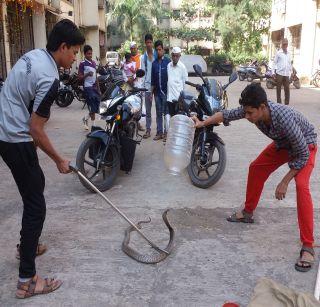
[{"x": 213, "y": 261}]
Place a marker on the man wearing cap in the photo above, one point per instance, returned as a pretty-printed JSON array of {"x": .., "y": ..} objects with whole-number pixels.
[
  {"x": 135, "y": 55},
  {"x": 177, "y": 76}
]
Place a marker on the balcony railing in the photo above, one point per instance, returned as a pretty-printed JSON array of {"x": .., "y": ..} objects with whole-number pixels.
[{"x": 101, "y": 4}]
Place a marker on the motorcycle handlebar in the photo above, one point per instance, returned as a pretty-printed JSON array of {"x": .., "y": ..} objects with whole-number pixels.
[
  {"x": 197, "y": 86},
  {"x": 191, "y": 84},
  {"x": 135, "y": 90}
]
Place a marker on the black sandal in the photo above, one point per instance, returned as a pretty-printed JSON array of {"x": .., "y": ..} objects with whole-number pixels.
[
  {"x": 305, "y": 265},
  {"x": 247, "y": 218}
]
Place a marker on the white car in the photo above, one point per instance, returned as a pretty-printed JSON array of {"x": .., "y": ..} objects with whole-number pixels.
[
  {"x": 113, "y": 58},
  {"x": 190, "y": 59}
]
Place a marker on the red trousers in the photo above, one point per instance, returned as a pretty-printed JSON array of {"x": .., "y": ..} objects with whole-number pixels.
[{"x": 259, "y": 171}]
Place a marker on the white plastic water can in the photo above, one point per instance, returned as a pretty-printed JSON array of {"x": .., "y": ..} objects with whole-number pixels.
[{"x": 178, "y": 149}]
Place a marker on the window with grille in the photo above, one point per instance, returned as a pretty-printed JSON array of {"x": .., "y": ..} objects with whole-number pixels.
[{"x": 3, "y": 68}]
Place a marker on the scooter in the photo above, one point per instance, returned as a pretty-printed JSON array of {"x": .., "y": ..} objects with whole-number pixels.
[{"x": 271, "y": 81}]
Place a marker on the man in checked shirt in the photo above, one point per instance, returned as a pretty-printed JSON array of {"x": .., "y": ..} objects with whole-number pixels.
[{"x": 294, "y": 142}]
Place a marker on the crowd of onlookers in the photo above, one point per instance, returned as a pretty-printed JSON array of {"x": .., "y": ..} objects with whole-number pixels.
[{"x": 164, "y": 79}]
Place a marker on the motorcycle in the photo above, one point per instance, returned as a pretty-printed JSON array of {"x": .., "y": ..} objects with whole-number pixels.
[
  {"x": 69, "y": 89},
  {"x": 208, "y": 158},
  {"x": 271, "y": 82},
  {"x": 257, "y": 72},
  {"x": 109, "y": 79},
  {"x": 105, "y": 151},
  {"x": 1, "y": 83},
  {"x": 222, "y": 68},
  {"x": 315, "y": 79},
  {"x": 243, "y": 70}
]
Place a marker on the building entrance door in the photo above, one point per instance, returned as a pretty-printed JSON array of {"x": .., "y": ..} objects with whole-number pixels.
[{"x": 20, "y": 31}]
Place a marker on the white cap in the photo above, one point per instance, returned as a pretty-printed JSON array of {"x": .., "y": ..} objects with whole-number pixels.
[
  {"x": 133, "y": 44},
  {"x": 176, "y": 50}
]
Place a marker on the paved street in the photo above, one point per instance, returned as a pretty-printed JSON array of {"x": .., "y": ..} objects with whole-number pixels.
[{"x": 213, "y": 261}]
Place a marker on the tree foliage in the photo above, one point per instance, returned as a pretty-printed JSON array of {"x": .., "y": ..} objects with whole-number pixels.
[
  {"x": 189, "y": 12},
  {"x": 241, "y": 23},
  {"x": 135, "y": 17}
]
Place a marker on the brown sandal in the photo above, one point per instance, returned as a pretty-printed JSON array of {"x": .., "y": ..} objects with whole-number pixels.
[
  {"x": 41, "y": 249},
  {"x": 28, "y": 289}
]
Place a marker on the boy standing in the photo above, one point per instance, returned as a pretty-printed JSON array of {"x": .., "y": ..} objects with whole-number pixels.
[
  {"x": 146, "y": 64},
  {"x": 159, "y": 80},
  {"x": 88, "y": 74}
]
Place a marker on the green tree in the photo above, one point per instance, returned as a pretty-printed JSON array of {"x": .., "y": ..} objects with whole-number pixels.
[
  {"x": 190, "y": 35},
  {"x": 189, "y": 12},
  {"x": 241, "y": 23},
  {"x": 135, "y": 17}
]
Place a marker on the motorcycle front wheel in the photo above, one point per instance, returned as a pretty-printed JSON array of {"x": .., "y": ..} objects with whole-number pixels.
[
  {"x": 250, "y": 77},
  {"x": 241, "y": 77},
  {"x": 101, "y": 173},
  {"x": 296, "y": 84},
  {"x": 206, "y": 171},
  {"x": 316, "y": 80},
  {"x": 270, "y": 84},
  {"x": 64, "y": 99}
]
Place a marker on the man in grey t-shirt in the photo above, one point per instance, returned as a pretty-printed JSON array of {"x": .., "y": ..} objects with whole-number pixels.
[{"x": 25, "y": 102}]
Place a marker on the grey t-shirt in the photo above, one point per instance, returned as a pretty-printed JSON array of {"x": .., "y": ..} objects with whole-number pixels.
[{"x": 32, "y": 86}]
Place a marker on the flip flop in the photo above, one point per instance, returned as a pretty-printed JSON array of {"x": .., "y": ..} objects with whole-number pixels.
[
  {"x": 247, "y": 218},
  {"x": 304, "y": 265}
]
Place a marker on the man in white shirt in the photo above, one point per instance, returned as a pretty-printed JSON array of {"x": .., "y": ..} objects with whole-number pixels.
[
  {"x": 177, "y": 76},
  {"x": 282, "y": 70}
]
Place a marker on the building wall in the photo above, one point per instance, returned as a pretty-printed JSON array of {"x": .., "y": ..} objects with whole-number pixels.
[
  {"x": 39, "y": 30},
  {"x": 301, "y": 29},
  {"x": 85, "y": 13}
]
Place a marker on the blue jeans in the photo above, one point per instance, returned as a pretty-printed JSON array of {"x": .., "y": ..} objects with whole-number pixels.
[
  {"x": 148, "y": 104},
  {"x": 92, "y": 99},
  {"x": 161, "y": 110}
]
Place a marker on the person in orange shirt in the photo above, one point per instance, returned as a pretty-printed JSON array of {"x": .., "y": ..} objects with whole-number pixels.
[{"x": 135, "y": 55}]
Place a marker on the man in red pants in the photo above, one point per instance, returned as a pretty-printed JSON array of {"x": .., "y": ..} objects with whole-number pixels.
[{"x": 294, "y": 142}]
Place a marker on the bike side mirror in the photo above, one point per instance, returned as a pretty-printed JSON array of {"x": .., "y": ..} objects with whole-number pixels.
[
  {"x": 197, "y": 69},
  {"x": 140, "y": 73},
  {"x": 233, "y": 77}
]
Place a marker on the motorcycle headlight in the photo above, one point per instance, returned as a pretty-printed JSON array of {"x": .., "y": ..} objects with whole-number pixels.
[
  {"x": 214, "y": 103},
  {"x": 134, "y": 102}
]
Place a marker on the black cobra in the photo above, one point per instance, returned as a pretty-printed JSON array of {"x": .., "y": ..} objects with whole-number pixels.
[{"x": 155, "y": 256}]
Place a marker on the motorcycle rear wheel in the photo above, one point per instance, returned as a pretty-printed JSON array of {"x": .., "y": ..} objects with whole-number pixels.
[
  {"x": 205, "y": 175},
  {"x": 87, "y": 157},
  {"x": 64, "y": 99}
]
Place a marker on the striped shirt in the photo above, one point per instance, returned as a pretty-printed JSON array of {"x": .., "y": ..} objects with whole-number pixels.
[{"x": 289, "y": 129}]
